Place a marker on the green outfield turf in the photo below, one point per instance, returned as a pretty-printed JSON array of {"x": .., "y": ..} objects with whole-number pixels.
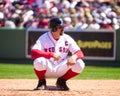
[{"x": 25, "y": 71}]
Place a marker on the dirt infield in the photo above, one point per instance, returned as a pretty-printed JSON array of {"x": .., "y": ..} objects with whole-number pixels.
[{"x": 24, "y": 87}]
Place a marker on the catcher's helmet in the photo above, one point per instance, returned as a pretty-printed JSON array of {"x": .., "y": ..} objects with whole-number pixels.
[{"x": 54, "y": 23}]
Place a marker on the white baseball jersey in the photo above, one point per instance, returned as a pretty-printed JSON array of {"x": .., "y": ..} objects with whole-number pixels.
[{"x": 62, "y": 46}]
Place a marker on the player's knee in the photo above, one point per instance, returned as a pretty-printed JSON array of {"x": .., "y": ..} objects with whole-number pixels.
[
  {"x": 40, "y": 63},
  {"x": 79, "y": 66}
]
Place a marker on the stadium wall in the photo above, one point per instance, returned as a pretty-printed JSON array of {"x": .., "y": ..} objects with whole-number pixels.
[{"x": 13, "y": 41}]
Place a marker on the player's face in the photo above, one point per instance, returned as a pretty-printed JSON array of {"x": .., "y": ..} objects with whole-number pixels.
[{"x": 61, "y": 30}]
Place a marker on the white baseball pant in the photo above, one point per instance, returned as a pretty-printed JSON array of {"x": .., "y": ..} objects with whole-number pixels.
[{"x": 55, "y": 70}]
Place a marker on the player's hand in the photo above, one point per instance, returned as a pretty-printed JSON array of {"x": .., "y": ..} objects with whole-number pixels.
[
  {"x": 72, "y": 60},
  {"x": 56, "y": 56}
]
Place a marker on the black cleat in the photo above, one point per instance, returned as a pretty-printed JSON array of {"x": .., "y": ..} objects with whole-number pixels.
[
  {"x": 41, "y": 85},
  {"x": 61, "y": 84}
]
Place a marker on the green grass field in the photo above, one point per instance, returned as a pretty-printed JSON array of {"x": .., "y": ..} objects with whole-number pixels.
[{"x": 22, "y": 71}]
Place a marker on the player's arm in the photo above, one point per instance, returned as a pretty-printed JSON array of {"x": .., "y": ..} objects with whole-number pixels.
[
  {"x": 75, "y": 50},
  {"x": 77, "y": 55},
  {"x": 35, "y": 53},
  {"x": 38, "y": 50}
]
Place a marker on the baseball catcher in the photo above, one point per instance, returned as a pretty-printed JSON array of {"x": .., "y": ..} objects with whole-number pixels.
[{"x": 51, "y": 60}]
